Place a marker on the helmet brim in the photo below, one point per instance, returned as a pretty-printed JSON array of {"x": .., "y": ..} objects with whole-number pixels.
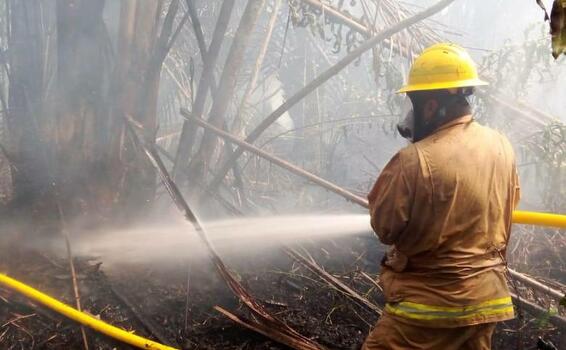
[{"x": 442, "y": 86}]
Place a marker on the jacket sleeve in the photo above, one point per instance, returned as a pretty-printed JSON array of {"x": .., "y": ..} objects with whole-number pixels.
[{"x": 390, "y": 201}]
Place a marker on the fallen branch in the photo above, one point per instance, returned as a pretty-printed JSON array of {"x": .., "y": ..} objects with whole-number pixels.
[
  {"x": 262, "y": 329},
  {"x": 537, "y": 285},
  {"x": 284, "y": 333},
  {"x": 282, "y": 163},
  {"x": 333, "y": 281},
  {"x": 76, "y": 292},
  {"x": 372, "y": 281},
  {"x": 321, "y": 79},
  {"x": 10, "y": 298}
]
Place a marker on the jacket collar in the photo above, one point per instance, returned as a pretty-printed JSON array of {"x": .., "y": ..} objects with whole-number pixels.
[{"x": 461, "y": 120}]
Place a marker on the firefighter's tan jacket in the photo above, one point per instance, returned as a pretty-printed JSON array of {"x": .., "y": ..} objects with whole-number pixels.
[{"x": 445, "y": 204}]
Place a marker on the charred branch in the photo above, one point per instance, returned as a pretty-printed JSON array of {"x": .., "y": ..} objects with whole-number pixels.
[
  {"x": 333, "y": 281},
  {"x": 267, "y": 321}
]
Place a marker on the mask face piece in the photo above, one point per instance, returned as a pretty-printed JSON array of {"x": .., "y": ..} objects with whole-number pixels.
[
  {"x": 422, "y": 127},
  {"x": 419, "y": 127},
  {"x": 406, "y": 126},
  {"x": 415, "y": 126}
]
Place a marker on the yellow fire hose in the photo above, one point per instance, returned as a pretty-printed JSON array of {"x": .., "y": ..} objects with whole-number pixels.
[
  {"x": 519, "y": 217},
  {"x": 539, "y": 219},
  {"x": 81, "y": 317}
]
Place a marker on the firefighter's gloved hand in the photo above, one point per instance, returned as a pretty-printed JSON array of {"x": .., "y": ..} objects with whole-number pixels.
[{"x": 396, "y": 260}]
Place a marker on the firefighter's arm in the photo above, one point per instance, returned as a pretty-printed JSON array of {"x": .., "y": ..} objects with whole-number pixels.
[{"x": 390, "y": 201}]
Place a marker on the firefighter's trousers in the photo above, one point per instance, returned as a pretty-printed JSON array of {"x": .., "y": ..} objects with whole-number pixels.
[{"x": 391, "y": 334}]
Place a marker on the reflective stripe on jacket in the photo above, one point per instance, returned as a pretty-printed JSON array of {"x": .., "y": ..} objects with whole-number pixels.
[
  {"x": 433, "y": 313},
  {"x": 445, "y": 204}
]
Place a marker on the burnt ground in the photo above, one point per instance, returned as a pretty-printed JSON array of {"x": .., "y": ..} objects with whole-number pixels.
[{"x": 152, "y": 301}]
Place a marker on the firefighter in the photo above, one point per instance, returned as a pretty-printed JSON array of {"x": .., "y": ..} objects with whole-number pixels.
[{"x": 444, "y": 204}]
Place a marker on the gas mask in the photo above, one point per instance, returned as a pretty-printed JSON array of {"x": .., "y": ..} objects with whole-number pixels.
[
  {"x": 406, "y": 126},
  {"x": 414, "y": 127}
]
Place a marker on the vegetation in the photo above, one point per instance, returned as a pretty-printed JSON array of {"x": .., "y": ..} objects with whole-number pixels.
[{"x": 91, "y": 94}]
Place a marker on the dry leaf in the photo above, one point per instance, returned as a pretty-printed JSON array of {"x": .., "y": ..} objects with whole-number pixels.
[{"x": 558, "y": 27}]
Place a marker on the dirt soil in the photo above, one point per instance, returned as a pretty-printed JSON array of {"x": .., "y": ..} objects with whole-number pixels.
[{"x": 152, "y": 301}]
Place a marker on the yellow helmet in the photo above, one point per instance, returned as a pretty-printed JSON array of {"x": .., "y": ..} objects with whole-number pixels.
[{"x": 442, "y": 66}]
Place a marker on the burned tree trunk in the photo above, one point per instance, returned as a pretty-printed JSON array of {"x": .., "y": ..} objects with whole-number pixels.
[
  {"x": 188, "y": 133},
  {"x": 68, "y": 96},
  {"x": 25, "y": 58},
  {"x": 132, "y": 80},
  {"x": 142, "y": 49},
  {"x": 79, "y": 106}
]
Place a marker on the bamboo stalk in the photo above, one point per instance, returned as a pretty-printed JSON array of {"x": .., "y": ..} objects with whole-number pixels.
[
  {"x": 322, "y": 78},
  {"x": 187, "y": 94},
  {"x": 76, "y": 292},
  {"x": 537, "y": 285},
  {"x": 276, "y": 160},
  {"x": 212, "y": 85},
  {"x": 188, "y": 132},
  {"x": 237, "y": 124},
  {"x": 200, "y": 163}
]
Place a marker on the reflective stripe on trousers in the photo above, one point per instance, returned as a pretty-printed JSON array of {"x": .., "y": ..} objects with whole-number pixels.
[{"x": 416, "y": 311}]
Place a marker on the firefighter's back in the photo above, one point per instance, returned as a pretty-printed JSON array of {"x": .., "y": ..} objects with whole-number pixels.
[{"x": 457, "y": 233}]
